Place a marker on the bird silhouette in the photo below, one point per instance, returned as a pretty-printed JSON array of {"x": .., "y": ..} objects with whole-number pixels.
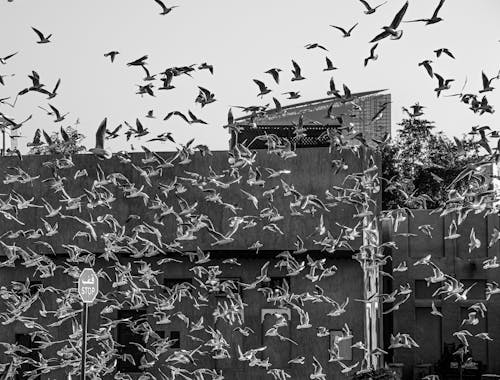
[{"x": 392, "y": 29}]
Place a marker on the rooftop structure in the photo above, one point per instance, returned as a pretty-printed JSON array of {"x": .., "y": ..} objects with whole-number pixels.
[{"x": 369, "y": 113}]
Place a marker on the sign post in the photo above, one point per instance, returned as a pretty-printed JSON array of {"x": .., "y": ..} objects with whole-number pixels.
[{"x": 88, "y": 287}]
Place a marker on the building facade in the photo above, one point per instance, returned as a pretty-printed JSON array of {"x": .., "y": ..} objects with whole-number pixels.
[{"x": 107, "y": 220}]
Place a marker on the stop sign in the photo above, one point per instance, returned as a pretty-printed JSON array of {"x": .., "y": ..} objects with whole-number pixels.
[{"x": 88, "y": 285}]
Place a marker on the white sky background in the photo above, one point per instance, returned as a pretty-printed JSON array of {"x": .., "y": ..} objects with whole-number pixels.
[{"x": 242, "y": 39}]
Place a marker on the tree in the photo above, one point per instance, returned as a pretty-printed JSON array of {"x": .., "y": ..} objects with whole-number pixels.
[
  {"x": 72, "y": 145},
  {"x": 419, "y": 164}
]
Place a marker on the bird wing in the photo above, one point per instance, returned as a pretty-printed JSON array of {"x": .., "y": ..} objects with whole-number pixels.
[
  {"x": 296, "y": 68},
  {"x": 440, "y": 79},
  {"x": 38, "y": 134},
  {"x": 64, "y": 135},
  {"x": 47, "y": 138},
  {"x": 278, "y": 105},
  {"x": 138, "y": 61},
  {"x": 367, "y": 6},
  {"x": 486, "y": 81},
  {"x": 434, "y": 15},
  {"x": 355, "y": 25},
  {"x": 9, "y": 56},
  {"x": 146, "y": 70},
  {"x": 449, "y": 53},
  {"x": 56, "y": 86},
  {"x": 399, "y": 16},
  {"x": 347, "y": 91},
  {"x": 40, "y": 34},
  {"x": 339, "y": 28},
  {"x": 55, "y": 110},
  {"x": 262, "y": 86},
  {"x": 372, "y": 50},
  {"x": 100, "y": 134},
  {"x": 160, "y": 3},
  {"x": 139, "y": 126},
  {"x": 380, "y": 36}
]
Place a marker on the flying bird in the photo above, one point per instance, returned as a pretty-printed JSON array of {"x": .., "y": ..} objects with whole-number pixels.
[
  {"x": 344, "y": 32},
  {"x": 296, "y": 72},
  {"x": 112, "y": 55},
  {"x": 42, "y": 39},
  {"x": 434, "y": 18},
  {"x": 372, "y": 56},
  {"x": 206, "y": 66},
  {"x": 369, "y": 8},
  {"x": 57, "y": 114},
  {"x": 445, "y": 51},
  {"x": 392, "y": 29},
  {"x": 329, "y": 65},
  {"x": 139, "y": 61},
  {"x": 164, "y": 9},
  {"x": 3, "y": 60},
  {"x": 443, "y": 84},
  {"x": 315, "y": 45},
  {"x": 99, "y": 150},
  {"x": 486, "y": 83},
  {"x": 275, "y": 72},
  {"x": 292, "y": 94},
  {"x": 263, "y": 89},
  {"x": 427, "y": 66}
]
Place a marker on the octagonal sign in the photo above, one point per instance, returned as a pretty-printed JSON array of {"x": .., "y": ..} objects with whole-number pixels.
[{"x": 88, "y": 285}]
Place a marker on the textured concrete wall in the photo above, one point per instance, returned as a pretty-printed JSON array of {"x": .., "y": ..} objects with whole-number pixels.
[{"x": 311, "y": 174}]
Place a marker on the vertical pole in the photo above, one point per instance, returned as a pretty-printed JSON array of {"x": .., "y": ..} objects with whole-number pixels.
[
  {"x": 84, "y": 339},
  {"x": 371, "y": 273},
  {"x": 3, "y": 141}
]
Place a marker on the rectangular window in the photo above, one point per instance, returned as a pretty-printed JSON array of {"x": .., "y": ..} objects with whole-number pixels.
[
  {"x": 23, "y": 371},
  {"x": 274, "y": 283},
  {"x": 176, "y": 336},
  {"x": 422, "y": 291},
  {"x": 124, "y": 337}
]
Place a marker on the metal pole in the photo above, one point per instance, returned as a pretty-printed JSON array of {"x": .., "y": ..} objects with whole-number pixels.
[
  {"x": 3, "y": 141},
  {"x": 84, "y": 339}
]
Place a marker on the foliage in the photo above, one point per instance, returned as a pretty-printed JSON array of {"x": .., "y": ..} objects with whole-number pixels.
[
  {"x": 419, "y": 164},
  {"x": 59, "y": 146}
]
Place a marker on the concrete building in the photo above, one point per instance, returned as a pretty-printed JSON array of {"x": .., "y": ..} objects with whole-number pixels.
[
  {"x": 311, "y": 174},
  {"x": 452, "y": 256}
]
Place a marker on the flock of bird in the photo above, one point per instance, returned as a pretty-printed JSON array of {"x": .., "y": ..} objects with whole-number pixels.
[{"x": 134, "y": 283}]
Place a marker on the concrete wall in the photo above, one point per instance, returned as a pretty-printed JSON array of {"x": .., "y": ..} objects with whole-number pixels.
[
  {"x": 311, "y": 174},
  {"x": 453, "y": 258}
]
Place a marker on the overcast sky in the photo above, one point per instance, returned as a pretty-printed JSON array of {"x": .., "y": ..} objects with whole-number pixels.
[{"x": 242, "y": 39}]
